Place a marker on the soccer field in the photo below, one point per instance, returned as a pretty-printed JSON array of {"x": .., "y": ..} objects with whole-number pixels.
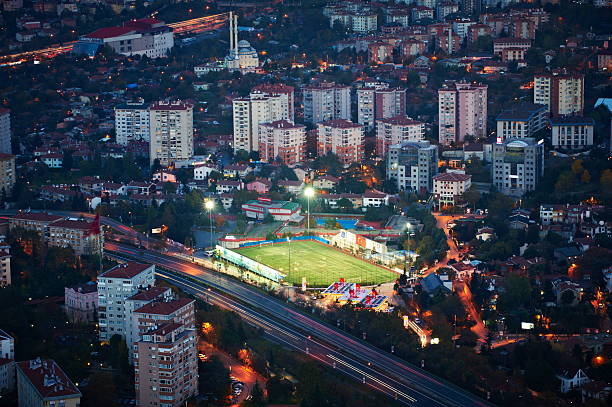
[{"x": 320, "y": 264}]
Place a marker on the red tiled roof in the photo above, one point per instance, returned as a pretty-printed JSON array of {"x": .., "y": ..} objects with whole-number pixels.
[
  {"x": 72, "y": 224},
  {"x": 164, "y": 308},
  {"x": 110, "y": 32},
  {"x": 59, "y": 386},
  {"x": 4, "y": 156},
  {"x": 340, "y": 123},
  {"x": 126, "y": 270},
  {"x": 150, "y": 294},
  {"x": 37, "y": 216},
  {"x": 401, "y": 120},
  {"x": 452, "y": 177}
]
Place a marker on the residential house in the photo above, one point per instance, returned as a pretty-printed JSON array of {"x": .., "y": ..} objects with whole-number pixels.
[{"x": 572, "y": 379}]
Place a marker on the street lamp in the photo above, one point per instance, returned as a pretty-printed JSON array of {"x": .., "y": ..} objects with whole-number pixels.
[
  {"x": 308, "y": 193},
  {"x": 210, "y": 204}
]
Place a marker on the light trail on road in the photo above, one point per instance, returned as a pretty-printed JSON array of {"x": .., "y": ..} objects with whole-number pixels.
[{"x": 192, "y": 26}]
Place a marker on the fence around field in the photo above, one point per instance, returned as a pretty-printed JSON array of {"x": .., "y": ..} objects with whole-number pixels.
[
  {"x": 284, "y": 240},
  {"x": 250, "y": 264}
]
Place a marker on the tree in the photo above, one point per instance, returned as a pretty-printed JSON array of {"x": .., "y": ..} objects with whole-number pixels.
[
  {"x": 577, "y": 167},
  {"x": 517, "y": 293},
  {"x": 214, "y": 378},
  {"x": 605, "y": 182},
  {"x": 586, "y": 177},
  {"x": 566, "y": 182},
  {"x": 568, "y": 297},
  {"x": 279, "y": 390}
]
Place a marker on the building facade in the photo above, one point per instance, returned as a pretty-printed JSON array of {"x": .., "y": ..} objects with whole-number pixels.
[
  {"x": 42, "y": 383},
  {"x": 76, "y": 234},
  {"x": 562, "y": 93},
  {"x": 412, "y": 164},
  {"x": 521, "y": 121},
  {"x": 450, "y": 185},
  {"x": 326, "y": 101},
  {"x": 571, "y": 133},
  {"x": 462, "y": 112},
  {"x": 171, "y": 136},
  {"x": 374, "y": 103},
  {"x": 342, "y": 138},
  {"x": 5, "y": 131},
  {"x": 252, "y": 111},
  {"x": 7, "y": 362},
  {"x": 166, "y": 367},
  {"x": 284, "y": 140},
  {"x": 115, "y": 286},
  {"x": 146, "y": 36},
  {"x": 7, "y": 174},
  {"x": 396, "y": 130},
  {"x": 518, "y": 165},
  {"x": 132, "y": 122}
]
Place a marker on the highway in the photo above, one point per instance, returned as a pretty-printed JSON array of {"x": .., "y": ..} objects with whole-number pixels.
[
  {"x": 331, "y": 346},
  {"x": 378, "y": 369},
  {"x": 192, "y": 26}
]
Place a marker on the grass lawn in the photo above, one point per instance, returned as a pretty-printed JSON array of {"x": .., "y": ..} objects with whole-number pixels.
[{"x": 320, "y": 264}]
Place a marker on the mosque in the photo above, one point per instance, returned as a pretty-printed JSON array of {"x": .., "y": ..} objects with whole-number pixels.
[{"x": 242, "y": 56}]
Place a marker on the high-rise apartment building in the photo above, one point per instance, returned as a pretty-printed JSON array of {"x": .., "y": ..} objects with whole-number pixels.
[
  {"x": 171, "y": 132},
  {"x": 326, "y": 101},
  {"x": 342, "y": 138},
  {"x": 115, "y": 286},
  {"x": 136, "y": 301},
  {"x": 412, "y": 164},
  {"x": 562, "y": 93},
  {"x": 374, "y": 103},
  {"x": 165, "y": 356},
  {"x": 132, "y": 122},
  {"x": 518, "y": 165},
  {"x": 462, "y": 112},
  {"x": 396, "y": 130},
  {"x": 7, "y": 174},
  {"x": 282, "y": 139},
  {"x": 5, "y": 131},
  {"x": 250, "y": 112},
  {"x": 5, "y": 264},
  {"x": 286, "y": 94}
]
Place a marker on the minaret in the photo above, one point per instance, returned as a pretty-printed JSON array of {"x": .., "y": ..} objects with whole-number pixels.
[
  {"x": 231, "y": 32},
  {"x": 236, "y": 34}
]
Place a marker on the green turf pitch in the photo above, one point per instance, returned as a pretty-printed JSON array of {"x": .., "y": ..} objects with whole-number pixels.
[{"x": 320, "y": 264}]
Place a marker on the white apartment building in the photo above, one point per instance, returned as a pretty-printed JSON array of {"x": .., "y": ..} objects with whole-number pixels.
[
  {"x": 7, "y": 173},
  {"x": 396, "y": 130},
  {"x": 282, "y": 139},
  {"x": 171, "y": 132},
  {"x": 286, "y": 94},
  {"x": 115, "y": 286},
  {"x": 364, "y": 22},
  {"x": 569, "y": 133},
  {"x": 461, "y": 26},
  {"x": 7, "y": 362},
  {"x": 412, "y": 164},
  {"x": 132, "y": 122},
  {"x": 562, "y": 93},
  {"x": 518, "y": 165},
  {"x": 379, "y": 102},
  {"x": 326, "y": 101},
  {"x": 448, "y": 186},
  {"x": 521, "y": 121},
  {"x": 342, "y": 138},
  {"x": 5, "y": 131},
  {"x": 250, "y": 112},
  {"x": 462, "y": 112}
]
